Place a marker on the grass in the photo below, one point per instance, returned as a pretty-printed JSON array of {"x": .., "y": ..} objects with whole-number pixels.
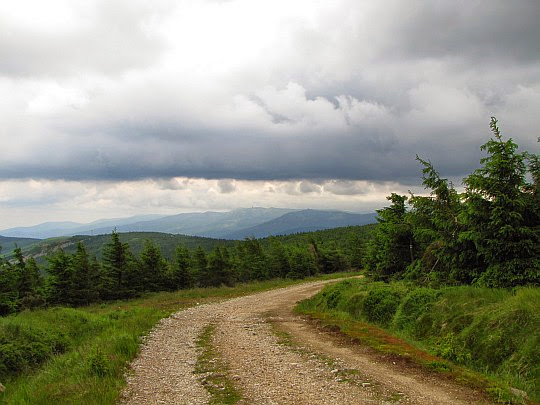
[
  {"x": 485, "y": 338},
  {"x": 80, "y": 355},
  {"x": 214, "y": 370}
]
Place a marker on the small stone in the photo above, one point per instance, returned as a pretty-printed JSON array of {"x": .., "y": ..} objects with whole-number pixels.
[
  {"x": 365, "y": 384},
  {"x": 518, "y": 393},
  {"x": 334, "y": 371}
]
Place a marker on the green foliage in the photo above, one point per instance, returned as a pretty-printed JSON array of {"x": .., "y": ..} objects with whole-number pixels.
[
  {"x": 380, "y": 305},
  {"x": 489, "y": 235},
  {"x": 490, "y": 330},
  {"x": 414, "y": 311},
  {"x": 497, "y": 214},
  {"x": 98, "y": 363},
  {"x": 390, "y": 250}
]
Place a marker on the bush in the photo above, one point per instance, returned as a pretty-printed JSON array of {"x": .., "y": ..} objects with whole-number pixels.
[
  {"x": 98, "y": 363},
  {"x": 380, "y": 305},
  {"x": 413, "y": 315}
]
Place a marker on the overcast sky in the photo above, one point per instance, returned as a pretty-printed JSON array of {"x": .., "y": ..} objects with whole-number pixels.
[{"x": 116, "y": 108}]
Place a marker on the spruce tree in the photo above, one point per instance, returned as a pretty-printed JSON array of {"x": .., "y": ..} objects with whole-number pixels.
[{"x": 498, "y": 215}]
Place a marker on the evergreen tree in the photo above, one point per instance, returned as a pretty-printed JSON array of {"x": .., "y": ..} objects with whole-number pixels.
[
  {"x": 83, "y": 288},
  {"x": 278, "y": 260},
  {"x": 302, "y": 264},
  {"x": 9, "y": 294},
  {"x": 153, "y": 268},
  {"x": 498, "y": 214},
  {"x": 218, "y": 271},
  {"x": 200, "y": 264},
  {"x": 182, "y": 276},
  {"x": 119, "y": 277},
  {"x": 59, "y": 282},
  {"x": 391, "y": 249}
]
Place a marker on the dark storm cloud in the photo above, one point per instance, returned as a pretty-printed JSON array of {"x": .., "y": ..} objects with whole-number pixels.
[{"x": 496, "y": 31}]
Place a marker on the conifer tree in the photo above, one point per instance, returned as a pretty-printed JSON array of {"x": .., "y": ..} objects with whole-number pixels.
[
  {"x": 498, "y": 215},
  {"x": 182, "y": 273}
]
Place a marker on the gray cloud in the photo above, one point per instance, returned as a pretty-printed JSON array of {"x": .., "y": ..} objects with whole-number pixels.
[
  {"x": 352, "y": 94},
  {"x": 226, "y": 186},
  {"x": 106, "y": 38}
]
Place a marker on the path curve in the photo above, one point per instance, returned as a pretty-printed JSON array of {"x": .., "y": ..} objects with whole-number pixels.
[{"x": 317, "y": 369}]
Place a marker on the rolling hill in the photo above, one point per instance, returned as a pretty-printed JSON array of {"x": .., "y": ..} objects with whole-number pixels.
[{"x": 303, "y": 221}]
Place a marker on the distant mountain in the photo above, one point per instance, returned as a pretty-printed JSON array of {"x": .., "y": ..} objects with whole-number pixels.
[
  {"x": 303, "y": 221},
  {"x": 54, "y": 229},
  {"x": 207, "y": 224},
  {"x": 235, "y": 224}
]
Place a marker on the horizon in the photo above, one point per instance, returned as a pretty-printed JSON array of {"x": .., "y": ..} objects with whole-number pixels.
[
  {"x": 118, "y": 109},
  {"x": 180, "y": 213}
]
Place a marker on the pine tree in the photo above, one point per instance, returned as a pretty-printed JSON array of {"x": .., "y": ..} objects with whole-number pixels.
[
  {"x": 391, "y": 249},
  {"x": 182, "y": 272},
  {"x": 200, "y": 265},
  {"x": 59, "y": 282},
  {"x": 119, "y": 277},
  {"x": 9, "y": 294},
  {"x": 83, "y": 289},
  {"x": 153, "y": 268},
  {"x": 498, "y": 208}
]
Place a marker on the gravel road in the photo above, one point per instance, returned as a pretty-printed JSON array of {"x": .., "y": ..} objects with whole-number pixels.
[{"x": 275, "y": 357}]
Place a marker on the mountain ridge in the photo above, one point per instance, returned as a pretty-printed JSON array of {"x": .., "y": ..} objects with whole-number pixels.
[{"x": 234, "y": 224}]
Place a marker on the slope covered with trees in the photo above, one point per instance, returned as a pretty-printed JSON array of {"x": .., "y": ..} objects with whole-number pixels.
[{"x": 81, "y": 270}]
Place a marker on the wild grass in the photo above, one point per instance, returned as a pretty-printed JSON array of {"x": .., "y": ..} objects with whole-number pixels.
[
  {"x": 493, "y": 332},
  {"x": 79, "y": 355}
]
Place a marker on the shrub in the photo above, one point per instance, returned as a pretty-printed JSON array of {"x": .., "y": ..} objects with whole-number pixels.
[
  {"x": 380, "y": 305},
  {"x": 413, "y": 313},
  {"x": 98, "y": 363}
]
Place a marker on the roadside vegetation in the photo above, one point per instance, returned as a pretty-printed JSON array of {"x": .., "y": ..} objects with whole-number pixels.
[
  {"x": 456, "y": 273},
  {"x": 80, "y": 355},
  {"x": 492, "y": 331}
]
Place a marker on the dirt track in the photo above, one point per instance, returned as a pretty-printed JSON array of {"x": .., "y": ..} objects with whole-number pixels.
[{"x": 277, "y": 358}]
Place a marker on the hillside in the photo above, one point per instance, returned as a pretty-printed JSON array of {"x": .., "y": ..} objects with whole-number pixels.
[
  {"x": 94, "y": 244},
  {"x": 303, "y": 221},
  {"x": 8, "y": 243}
]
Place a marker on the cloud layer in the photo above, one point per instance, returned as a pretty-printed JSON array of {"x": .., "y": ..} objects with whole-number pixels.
[{"x": 319, "y": 96}]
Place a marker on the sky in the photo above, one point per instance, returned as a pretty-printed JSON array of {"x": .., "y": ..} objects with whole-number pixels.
[{"x": 118, "y": 108}]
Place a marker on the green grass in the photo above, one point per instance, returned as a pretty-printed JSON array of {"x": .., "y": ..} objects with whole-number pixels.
[
  {"x": 486, "y": 338},
  {"x": 72, "y": 356},
  {"x": 214, "y": 370}
]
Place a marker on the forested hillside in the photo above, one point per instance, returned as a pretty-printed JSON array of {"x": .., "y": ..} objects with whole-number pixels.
[{"x": 80, "y": 270}]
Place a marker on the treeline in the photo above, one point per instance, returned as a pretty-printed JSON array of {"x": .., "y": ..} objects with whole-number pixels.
[
  {"x": 79, "y": 279},
  {"x": 488, "y": 235}
]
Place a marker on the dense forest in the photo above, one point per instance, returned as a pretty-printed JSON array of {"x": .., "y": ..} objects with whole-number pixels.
[
  {"x": 488, "y": 235},
  {"x": 112, "y": 271}
]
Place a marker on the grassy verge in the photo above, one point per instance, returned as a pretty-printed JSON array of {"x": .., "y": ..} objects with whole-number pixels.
[
  {"x": 67, "y": 355},
  {"x": 214, "y": 371},
  {"x": 485, "y": 338}
]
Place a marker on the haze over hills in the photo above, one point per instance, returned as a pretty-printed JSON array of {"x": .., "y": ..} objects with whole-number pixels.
[
  {"x": 235, "y": 224},
  {"x": 67, "y": 228},
  {"x": 303, "y": 221}
]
